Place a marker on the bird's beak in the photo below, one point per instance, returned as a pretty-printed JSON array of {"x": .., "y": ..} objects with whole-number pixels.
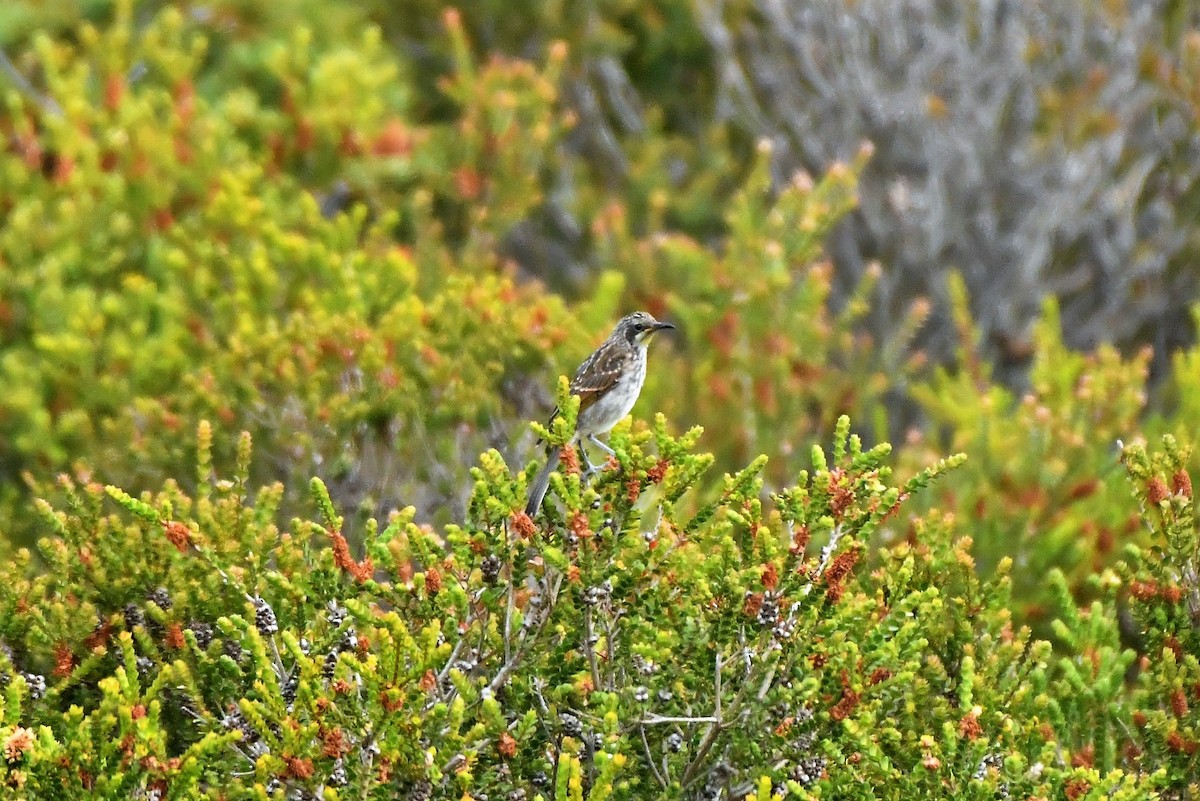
[{"x": 663, "y": 327}]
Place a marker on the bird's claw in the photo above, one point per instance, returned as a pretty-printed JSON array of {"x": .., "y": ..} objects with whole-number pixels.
[
  {"x": 610, "y": 463},
  {"x": 589, "y": 469}
]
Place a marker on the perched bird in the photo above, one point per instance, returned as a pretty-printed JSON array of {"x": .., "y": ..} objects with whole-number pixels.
[{"x": 608, "y": 384}]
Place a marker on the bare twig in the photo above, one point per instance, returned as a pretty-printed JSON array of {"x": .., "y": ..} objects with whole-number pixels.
[
  {"x": 445, "y": 671},
  {"x": 723, "y": 719},
  {"x": 655, "y": 720},
  {"x": 279, "y": 671},
  {"x": 47, "y": 103},
  {"x": 768, "y": 680},
  {"x": 827, "y": 551},
  {"x": 650, "y": 758},
  {"x": 710, "y": 736},
  {"x": 524, "y": 639},
  {"x": 508, "y": 617},
  {"x": 589, "y": 647}
]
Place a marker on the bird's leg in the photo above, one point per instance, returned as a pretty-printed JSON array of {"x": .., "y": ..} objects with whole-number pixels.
[
  {"x": 590, "y": 468},
  {"x": 592, "y": 439},
  {"x": 601, "y": 446}
]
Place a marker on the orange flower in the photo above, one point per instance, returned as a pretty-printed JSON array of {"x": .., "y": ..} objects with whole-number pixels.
[
  {"x": 770, "y": 576},
  {"x": 333, "y": 743},
  {"x": 433, "y": 580},
  {"x": 1181, "y": 483},
  {"x": 753, "y": 604},
  {"x": 300, "y": 768},
  {"x": 1180, "y": 744},
  {"x": 360, "y": 571},
  {"x": 848, "y": 702},
  {"x": 20, "y": 741},
  {"x": 1077, "y": 788},
  {"x": 178, "y": 534},
  {"x": 64, "y": 660},
  {"x": 1179, "y": 704},
  {"x": 579, "y": 526},
  {"x": 523, "y": 524},
  {"x": 174, "y": 637}
]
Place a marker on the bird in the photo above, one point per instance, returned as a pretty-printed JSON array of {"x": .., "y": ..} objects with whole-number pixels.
[{"x": 608, "y": 384}]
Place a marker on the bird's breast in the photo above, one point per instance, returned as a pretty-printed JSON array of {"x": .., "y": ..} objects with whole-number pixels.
[{"x": 609, "y": 409}]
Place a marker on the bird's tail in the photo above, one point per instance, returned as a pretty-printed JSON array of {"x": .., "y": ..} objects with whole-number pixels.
[{"x": 537, "y": 491}]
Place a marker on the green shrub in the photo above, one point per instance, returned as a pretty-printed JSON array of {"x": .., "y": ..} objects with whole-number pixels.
[
  {"x": 169, "y": 263},
  {"x": 310, "y": 235},
  {"x": 178, "y": 259},
  {"x": 1162, "y": 586},
  {"x": 198, "y": 647},
  {"x": 1044, "y": 485}
]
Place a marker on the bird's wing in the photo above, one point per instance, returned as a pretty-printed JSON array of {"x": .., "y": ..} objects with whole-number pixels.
[
  {"x": 597, "y": 375},
  {"x": 600, "y": 373}
]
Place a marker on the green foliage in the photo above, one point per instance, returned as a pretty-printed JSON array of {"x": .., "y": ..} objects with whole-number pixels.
[
  {"x": 1043, "y": 486},
  {"x": 185, "y": 271},
  {"x": 762, "y": 360},
  {"x": 193, "y": 262},
  {"x": 310, "y": 234},
  {"x": 1162, "y": 583},
  {"x": 622, "y": 648}
]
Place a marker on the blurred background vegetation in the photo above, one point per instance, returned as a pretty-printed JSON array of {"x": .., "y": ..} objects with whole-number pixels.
[{"x": 373, "y": 233}]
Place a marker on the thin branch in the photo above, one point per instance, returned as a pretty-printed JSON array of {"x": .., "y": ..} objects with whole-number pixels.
[
  {"x": 508, "y": 617},
  {"x": 445, "y": 671},
  {"x": 523, "y": 639},
  {"x": 650, "y": 758},
  {"x": 714, "y": 730},
  {"x": 710, "y": 735},
  {"x": 827, "y": 551},
  {"x": 610, "y": 639},
  {"x": 717, "y": 685},
  {"x": 589, "y": 647},
  {"x": 654, "y": 720},
  {"x": 47, "y": 103},
  {"x": 279, "y": 671},
  {"x": 768, "y": 680}
]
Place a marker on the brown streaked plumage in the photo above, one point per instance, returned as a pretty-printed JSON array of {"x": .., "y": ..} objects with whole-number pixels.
[{"x": 608, "y": 384}]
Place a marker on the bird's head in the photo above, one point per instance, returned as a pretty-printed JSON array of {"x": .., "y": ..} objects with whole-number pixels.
[{"x": 640, "y": 327}]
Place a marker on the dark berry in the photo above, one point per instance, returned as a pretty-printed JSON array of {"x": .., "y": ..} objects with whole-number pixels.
[
  {"x": 134, "y": 617},
  {"x": 264, "y": 617},
  {"x": 160, "y": 598},
  {"x": 203, "y": 632},
  {"x": 490, "y": 568}
]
